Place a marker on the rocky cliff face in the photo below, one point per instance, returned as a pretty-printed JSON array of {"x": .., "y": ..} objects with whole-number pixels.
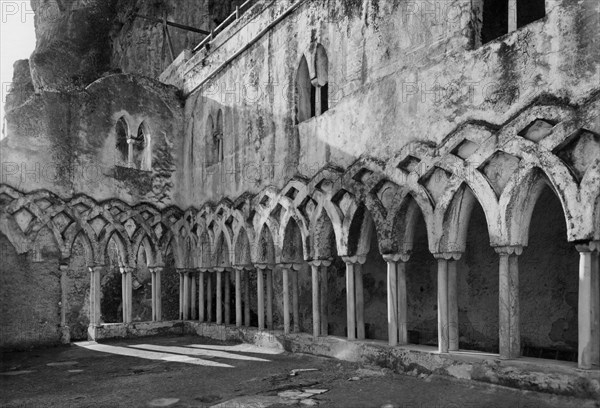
[{"x": 80, "y": 40}]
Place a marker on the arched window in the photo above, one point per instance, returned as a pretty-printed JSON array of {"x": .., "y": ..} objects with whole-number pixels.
[
  {"x": 122, "y": 147},
  {"x": 210, "y": 131},
  {"x": 304, "y": 93},
  {"x": 142, "y": 151},
  {"x": 494, "y": 18},
  {"x": 218, "y": 139},
  {"x": 322, "y": 73}
]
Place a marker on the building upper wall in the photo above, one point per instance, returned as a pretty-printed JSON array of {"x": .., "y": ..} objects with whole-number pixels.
[
  {"x": 398, "y": 72},
  {"x": 119, "y": 138}
]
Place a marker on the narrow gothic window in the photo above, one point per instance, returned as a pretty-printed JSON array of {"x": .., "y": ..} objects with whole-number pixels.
[
  {"x": 304, "y": 93},
  {"x": 122, "y": 147},
  {"x": 142, "y": 154},
  {"x": 322, "y": 82}
]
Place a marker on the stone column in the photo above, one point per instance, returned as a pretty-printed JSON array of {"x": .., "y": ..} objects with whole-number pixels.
[
  {"x": 316, "y": 315},
  {"x": 126, "y": 273},
  {"x": 360, "y": 301},
  {"x": 295, "y": 304},
  {"x": 65, "y": 333},
  {"x": 209, "y": 296},
  {"x": 508, "y": 305},
  {"x": 186, "y": 295},
  {"x": 238, "y": 297},
  {"x": 595, "y": 301},
  {"x": 453, "y": 335},
  {"x": 227, "y": 300},
  {"x": 219, "y": 289},
  {"x": 402, "y": 302},
  {"x": 180, "y": 272},
  {"x": 350, "y": 300},
  {"x": 260, "y": 294},
  {"x": 286, "y": 300},
  {"x": 269, "y": 273},
  {"x": 442, "y": 303},
  {"x": 324, "y": 289},
  {"x": 192, "y": 274},
  {"x": 246, "y": 278},
  {"x": 588, "y": 306},
  {"x": 201, "y": 310},
  {"x": 95, "y": 294},
  {"x": 392, "y": 299},
  {"x": 512, "y": 15},
  {"x": 156, "y": 293}
]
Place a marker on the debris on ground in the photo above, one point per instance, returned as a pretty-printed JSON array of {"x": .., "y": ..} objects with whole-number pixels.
[{"x": 295, "y": 371}]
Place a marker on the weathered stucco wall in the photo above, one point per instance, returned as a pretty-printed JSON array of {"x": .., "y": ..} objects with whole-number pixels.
[
  {"x": 398, "y": 72},
  {"x": 66, "y": 142}
]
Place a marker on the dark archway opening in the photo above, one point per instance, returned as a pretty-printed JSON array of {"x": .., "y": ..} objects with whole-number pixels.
[{"x": 549, "y": 285}]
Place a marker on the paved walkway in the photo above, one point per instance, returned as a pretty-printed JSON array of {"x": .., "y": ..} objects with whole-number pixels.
[{"x": 198, "y": 372}]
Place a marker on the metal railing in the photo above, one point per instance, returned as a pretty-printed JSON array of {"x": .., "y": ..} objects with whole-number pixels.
[{"x": 239, "y": 10}]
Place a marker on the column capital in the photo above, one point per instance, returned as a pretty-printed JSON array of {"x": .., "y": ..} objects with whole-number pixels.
[
  {"x": 154, "y": 269},
  {"x": 447, "y": 256},
  {"x": 509, "y": 250},
  {"x": 63, "y": 267},
  {"x": 264, "y": 266},
  {"x": 243, "y": 267},
  {"x": 404, "y": 257},
  {"x": 360, "y": 259},
  {"x": 223, "y": 269},
  {"x": 126, "y": 269},
  {"x": 319, "y": 262},
  {"x": 182, "y": 270},
  {"x": 96, "y": 268}
]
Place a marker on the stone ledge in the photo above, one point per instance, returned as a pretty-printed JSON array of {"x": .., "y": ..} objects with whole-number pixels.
[{"x": 555, "y": 377}]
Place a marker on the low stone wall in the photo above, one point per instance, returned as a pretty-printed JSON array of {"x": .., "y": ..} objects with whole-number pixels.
[{"x": 549, "y": 376}]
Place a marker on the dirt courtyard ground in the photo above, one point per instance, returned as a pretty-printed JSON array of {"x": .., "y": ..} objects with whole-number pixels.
[{"x": 199, "y": 372}]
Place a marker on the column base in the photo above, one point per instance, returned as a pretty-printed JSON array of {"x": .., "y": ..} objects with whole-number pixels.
[{"x": 65, "y": 334}]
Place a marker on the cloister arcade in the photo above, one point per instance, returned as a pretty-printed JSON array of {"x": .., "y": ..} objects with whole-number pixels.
[{"x": 386, "y": 251}]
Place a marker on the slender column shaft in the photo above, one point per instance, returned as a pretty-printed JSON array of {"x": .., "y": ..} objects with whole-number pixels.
[
  {"x": 153, "y": 280},
  {"x": 442, "y": 299},
  {"x": 124, "y": 296},
  {"x": 209, "y": 297},
  {"x": 452, "y": 306},
  {"x": 315, "y": 300},
  {"x": 219, "y": 288},
  {"x": 238, "y": 298},
  {"x": 269, "y": 273},
  {"x": 323, "y": 301},
  {"x": 95, "y": 292},
  {"x": 360, "y": 302},
  {"x": 295, "y": 304},
  {"x": 585, "y": 354},
  {"x": 158, "y": 294},
  {"x": 227, "y": 283},
  {"x": 126, "y": 293},
  {"x": 186, "y": 296},
  {"x": 402, "y": 303},
  {"x": 286, "y": 301},
  {"x": 180, "y": 295},
  {"x": 512, "y": 15},
  {"x": 595, "y": 300},
  {"x": 201, "y": 312},
  {"x": 246, "y": 278},
  {"x": 260, "y": 292},
  {"x": 350, "y": 301},
  {"x": 129, "y": 296},
  {"x": 193, "y": 295},
  {"x": 392, "y": 302},
  {"x": 508, "y": 306},
  {"x": 64, "y": 290}
]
